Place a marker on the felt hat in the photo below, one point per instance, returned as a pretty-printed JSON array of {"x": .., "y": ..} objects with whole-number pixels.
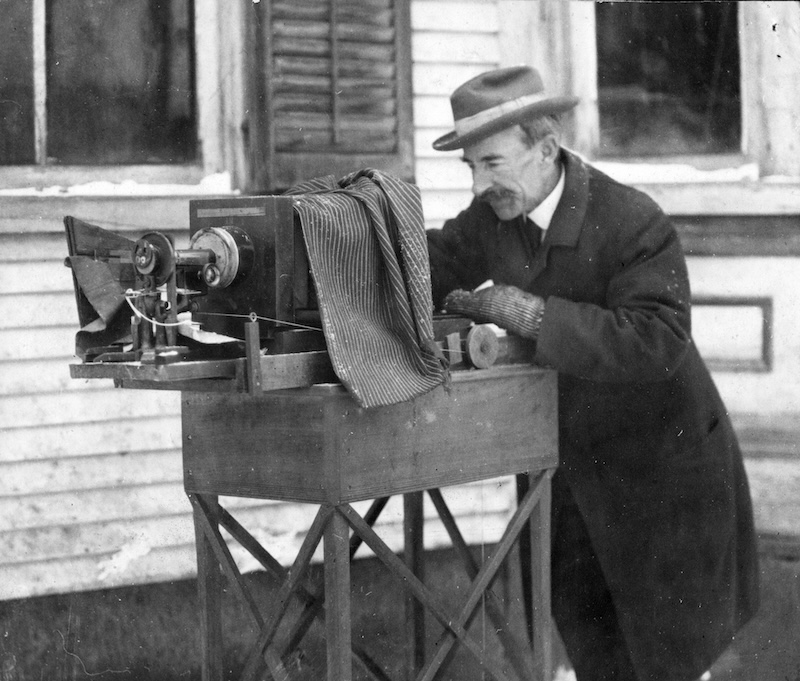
[{"x": 496, "y": 100}]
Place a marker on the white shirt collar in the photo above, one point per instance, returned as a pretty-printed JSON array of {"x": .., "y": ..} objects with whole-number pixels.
[{"x": 542, "y": 215}]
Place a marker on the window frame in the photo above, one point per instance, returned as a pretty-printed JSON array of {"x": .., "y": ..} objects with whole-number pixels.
[
  {"x": 218, "y": 30},
  {"x": 561, "y": 40},
  {"x": 588, "y": 117},
  {"x": 703, "y": 161}
]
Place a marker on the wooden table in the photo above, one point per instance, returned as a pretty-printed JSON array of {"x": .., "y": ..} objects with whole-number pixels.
[{"x": 315, "y": 445}]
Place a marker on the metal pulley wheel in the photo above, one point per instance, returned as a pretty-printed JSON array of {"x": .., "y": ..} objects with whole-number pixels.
[
  {"x": 154, "y": 255},
  {"x": 481, "y": 346}
]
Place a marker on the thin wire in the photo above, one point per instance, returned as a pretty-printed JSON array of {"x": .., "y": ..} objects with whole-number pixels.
[
  {"x": 252, "y": 316},
  {"x": 129, "y": 295},
  {"x": 139, "y": 313}
]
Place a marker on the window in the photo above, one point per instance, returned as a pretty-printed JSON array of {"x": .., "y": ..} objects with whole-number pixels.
[
  {"x": 167, "y": 91},
  {"x": 97, "y": 82},
  {"x": 336, "y": 90},
  {"x": 668, "y": 78}
]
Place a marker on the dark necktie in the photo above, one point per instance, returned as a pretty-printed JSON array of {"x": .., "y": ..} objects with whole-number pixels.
[{"x": 534, "y": 233}]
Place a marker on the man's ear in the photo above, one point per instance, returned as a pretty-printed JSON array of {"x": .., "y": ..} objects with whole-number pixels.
[{"x": 550, "y": 148}]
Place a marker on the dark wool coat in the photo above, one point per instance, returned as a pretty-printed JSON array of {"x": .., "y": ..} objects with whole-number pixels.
[{"x": 646, "y": 444}]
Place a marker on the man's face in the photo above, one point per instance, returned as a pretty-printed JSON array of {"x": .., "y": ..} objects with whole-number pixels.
[{"x": 512, "y": 177}]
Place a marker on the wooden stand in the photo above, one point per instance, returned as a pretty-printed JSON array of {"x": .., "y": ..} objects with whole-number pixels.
[{"x": 315, "y": 445}]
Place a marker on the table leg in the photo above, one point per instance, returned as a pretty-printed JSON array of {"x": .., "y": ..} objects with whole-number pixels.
[
  {"x": 540, "y": 583},
  {"x": 209, "y": 585},
  {"x": 525, "y": 555},
  {"x": 413, "y": 555},
  {"x": 337, "y": 599}
]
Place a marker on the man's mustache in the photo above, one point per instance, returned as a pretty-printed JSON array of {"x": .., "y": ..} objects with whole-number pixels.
[{"x": 495, "y": 195}]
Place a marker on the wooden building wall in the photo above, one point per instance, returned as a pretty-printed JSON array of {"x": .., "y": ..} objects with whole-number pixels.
[
  {"x": 91, "y": 492},
  {"x": 90, "y": 477}
]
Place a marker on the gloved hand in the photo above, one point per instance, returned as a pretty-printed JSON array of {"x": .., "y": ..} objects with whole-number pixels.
[{"x": 509, "y": 307}]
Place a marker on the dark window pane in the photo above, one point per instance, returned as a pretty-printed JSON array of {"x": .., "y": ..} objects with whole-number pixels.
[
  {"x": 668, "y": 78},
  {"x": 16, "y": 83},
  {"x": 120, "y": 87}
]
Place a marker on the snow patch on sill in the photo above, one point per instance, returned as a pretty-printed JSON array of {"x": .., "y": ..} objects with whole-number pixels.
[
  {"x": 667, "y": 173},
  {"x": 218, "y": 183}
]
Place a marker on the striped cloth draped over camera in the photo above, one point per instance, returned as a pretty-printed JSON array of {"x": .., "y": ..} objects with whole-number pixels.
[{"x": 366, "y": 245}]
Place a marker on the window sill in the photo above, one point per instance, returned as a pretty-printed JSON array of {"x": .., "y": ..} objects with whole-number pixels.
[
  {"x": 695, "y": 169},
  {"x": 143, "y": 180},
  {"x": 695, "y": 186}
]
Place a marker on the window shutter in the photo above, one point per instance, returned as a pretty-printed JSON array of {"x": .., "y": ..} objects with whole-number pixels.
[{"x": 336, "y": 93}]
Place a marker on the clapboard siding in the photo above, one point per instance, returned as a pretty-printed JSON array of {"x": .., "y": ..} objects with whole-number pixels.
[
  {"x": 42, "y": 215},
  {"x": 61, "y": 474},
  {"x": 444, "y": 204},
  {"x": 464, "y": 16},
  {"x": 56, "y": 308},
  {"x": 43, "y": 246},
  {"x": 125, "y": 506},
  {"x": 449, "y": 173},
  {"x": 137, "y": 558},
  {"x": 46, "y": 375},
  {"x": 30, "y": 411},
  {"x": 43, "y": 276},
  {"x": 121, "y": 566},
  {"x": 91, "y": 489},
  {"x": 431, "y": 79},
  {"x": 458, "y": 48},
  {"x": 32, "y": 341},
  {"x": 33, "y": 545},
  {"x": 117, "y": 547},
  {"x": 95, "y": 505},
  {"x": 452, "y": 42},
  {"x": 90, "y": 438},
  {"x": 84, "y": 468}
]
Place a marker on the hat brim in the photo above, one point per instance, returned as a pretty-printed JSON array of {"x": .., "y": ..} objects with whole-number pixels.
[{"x": 554, "y": 105}]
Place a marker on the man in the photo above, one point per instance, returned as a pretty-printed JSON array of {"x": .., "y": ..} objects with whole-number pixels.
[{"x": 654, "y": 564}]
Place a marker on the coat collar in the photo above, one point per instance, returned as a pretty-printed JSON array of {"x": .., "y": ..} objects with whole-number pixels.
[
  {"x": 565, "y": 228},
  {"x": 543, "y": 214}
]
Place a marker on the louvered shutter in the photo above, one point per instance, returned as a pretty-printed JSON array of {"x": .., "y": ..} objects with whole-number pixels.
[{"x": 336, "y": 92}]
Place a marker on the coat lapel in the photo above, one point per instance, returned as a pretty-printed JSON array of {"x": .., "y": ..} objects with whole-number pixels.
[{"x": 565, "y": 227}]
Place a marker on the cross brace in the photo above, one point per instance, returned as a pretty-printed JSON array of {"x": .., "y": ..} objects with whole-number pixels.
[{"x": 332, "y": 526}]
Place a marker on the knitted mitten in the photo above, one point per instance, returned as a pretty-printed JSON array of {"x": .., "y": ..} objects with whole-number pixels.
[{"x": 509, "y": 307}]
